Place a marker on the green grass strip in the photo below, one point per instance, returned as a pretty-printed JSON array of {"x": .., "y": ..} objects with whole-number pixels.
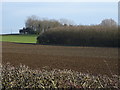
[{"x": 19, "y": 38}]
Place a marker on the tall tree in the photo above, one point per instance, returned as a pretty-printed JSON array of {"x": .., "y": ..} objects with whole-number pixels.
[{"x": 41, "y": 25}]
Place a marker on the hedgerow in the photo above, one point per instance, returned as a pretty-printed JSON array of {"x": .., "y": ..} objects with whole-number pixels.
[
  {"x": 24, "y": 77},
  {"x": 81, "y": 36}
]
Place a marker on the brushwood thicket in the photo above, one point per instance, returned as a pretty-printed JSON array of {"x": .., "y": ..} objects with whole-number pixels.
[{"x": 81, "y": 36}]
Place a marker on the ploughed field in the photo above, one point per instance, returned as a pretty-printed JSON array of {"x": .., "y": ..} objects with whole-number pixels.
[{"x": 94, "y": 60}]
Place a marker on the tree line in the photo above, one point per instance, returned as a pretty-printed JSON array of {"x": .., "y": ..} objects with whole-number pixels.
[
  {"x": 99, "y": 36},
  {"x": 35, "y": 25},
  {"x": 65, "y": 32}
]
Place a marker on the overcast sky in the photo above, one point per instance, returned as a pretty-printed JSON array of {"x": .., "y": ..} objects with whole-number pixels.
[{"x": 85, "y": 13}]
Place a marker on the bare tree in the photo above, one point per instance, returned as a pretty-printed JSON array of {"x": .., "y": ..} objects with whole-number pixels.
[
  {"x": 40, "y": 25},
  {"x": 66, "y": 22},
  {"x": 32, "y": 22},
  {"x": 108, "y": 23}
]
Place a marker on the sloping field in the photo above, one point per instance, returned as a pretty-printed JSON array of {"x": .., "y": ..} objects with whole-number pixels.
[
  {"x": 19, "y": 38},
  {"x": 94, "y": 60}
]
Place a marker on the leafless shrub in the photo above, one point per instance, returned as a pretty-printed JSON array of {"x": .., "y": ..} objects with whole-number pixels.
[{"x": 23, "y": 77}]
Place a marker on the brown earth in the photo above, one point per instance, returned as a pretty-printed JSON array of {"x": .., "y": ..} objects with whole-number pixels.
[{"x": 83, "y": 59}]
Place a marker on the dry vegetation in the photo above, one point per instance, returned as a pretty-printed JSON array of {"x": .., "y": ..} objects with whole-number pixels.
[{"x": 24, "y": 77}]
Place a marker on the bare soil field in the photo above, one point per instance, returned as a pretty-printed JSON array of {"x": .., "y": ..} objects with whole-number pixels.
[{"x": 95, "y": 60}]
